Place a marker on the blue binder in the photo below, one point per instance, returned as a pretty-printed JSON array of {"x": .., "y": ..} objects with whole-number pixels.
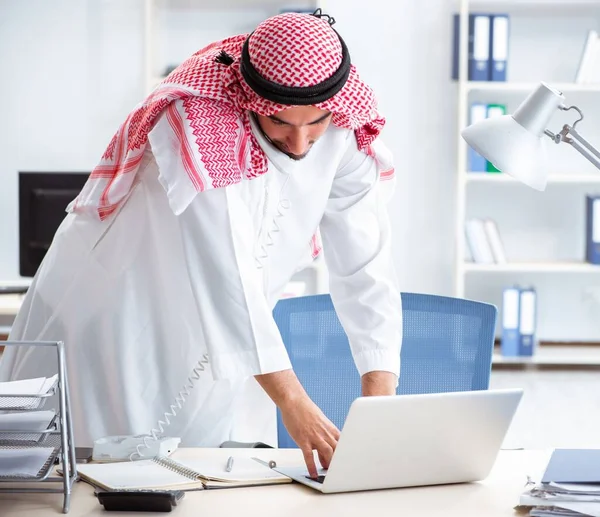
[
  {"x": 573, "y": 466},
  {"x": 527, "y": 321},
  {"x": 477, "y": 163},
  {"x": 510, "y": 343},
  {"x": 592, "y": 223},
  {"x": 478, "y": 48},
  {"x": 499, "y": 32}
]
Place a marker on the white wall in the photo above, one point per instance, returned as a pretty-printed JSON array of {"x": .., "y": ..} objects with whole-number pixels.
[
  {"x": 402, "y": 49},
  {"x": 71, "y": 71}
]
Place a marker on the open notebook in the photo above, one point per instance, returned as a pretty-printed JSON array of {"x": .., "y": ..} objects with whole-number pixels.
[{"x": 184, "y": 474}]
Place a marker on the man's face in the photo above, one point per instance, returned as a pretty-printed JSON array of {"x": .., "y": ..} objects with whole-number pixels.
[{"x": 293, "y": 131}]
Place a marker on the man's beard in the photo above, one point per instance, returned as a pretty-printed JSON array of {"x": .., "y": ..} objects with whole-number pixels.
[{"x": 293, "y": 156}]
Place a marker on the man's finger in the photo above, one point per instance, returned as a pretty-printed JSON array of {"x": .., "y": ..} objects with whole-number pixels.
[
  {"x": 309, "y": 459},
  {"x": 325, "y": 453},
  {"x": 336, "y": 433},
  {"x": 332, "y": 436}
]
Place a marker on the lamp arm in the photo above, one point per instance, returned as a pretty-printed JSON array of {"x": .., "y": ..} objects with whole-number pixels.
[{"x": 572, "y": 137}]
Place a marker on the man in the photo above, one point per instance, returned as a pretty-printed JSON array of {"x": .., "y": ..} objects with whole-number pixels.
[{"x": 207, "y": 200}]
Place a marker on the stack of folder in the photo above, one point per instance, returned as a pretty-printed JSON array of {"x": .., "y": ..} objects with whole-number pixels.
[{"x": 570, "y": 486}]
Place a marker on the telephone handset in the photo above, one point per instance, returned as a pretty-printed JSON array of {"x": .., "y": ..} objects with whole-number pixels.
[{"x": 121, "y": 448}]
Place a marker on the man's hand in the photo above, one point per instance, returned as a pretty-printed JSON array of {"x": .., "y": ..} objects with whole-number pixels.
[
  {"x": 378, "y": 383},
  {"x": 305, "y": 422},
  {"x": 311, "y": 430}
]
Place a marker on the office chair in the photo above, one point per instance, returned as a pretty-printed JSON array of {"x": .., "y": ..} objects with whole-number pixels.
[{"x": 447, "y": 345}]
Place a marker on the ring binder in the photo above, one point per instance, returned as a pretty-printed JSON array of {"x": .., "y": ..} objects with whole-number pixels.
[{"x": 176, "y": 467}]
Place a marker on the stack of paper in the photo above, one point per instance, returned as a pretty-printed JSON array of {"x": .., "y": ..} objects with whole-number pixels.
[
  {"x": 29, "y": 392},
  {"x": 24, "y": 424},
  {"x": 570, "y": 486},
  {"x": 564, "y": 499},
  {"x": 26, "y": 462}
]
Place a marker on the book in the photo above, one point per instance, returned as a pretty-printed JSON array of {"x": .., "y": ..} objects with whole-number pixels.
[
  {"x": 511, "y": 337},
  {"x": 527, "y": 320},
  {"x": 478, "y": 242},
  {"x": 592, "y": 229},
  {"x": 493, "y": 236},
  {"x": 478, "y": 46},
  {"x": 588, "y": 62},
  {"x": 163, "y": 473},
  {"x": 494, "y": 110},
  {"x": 499, "y": 34},
  {"x": 477, "y": 163}
]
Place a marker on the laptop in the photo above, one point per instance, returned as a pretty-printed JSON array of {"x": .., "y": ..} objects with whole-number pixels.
[{"x": 416, "y": 440}]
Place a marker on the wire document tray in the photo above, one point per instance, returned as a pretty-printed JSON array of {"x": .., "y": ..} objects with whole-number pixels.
[
  {"x": 24, "y": 402},
  {"x": 42, "y": 447}
]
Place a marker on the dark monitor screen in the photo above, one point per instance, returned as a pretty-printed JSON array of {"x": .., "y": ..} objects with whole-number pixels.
[{"x": 43, "y": 199}]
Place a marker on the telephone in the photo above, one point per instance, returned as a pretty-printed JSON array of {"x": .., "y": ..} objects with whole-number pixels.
[{"x": 120, "y": 448}]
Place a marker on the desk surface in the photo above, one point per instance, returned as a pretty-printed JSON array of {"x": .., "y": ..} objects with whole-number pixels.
[{"x": 495, "y": 496}]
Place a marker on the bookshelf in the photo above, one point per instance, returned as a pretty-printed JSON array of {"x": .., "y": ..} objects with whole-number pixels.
[
  {"x": 575, "y": 178},
  {"x": 474, "y": 86},
  {"x": 546, "y": 40},
  {"x": 533, "y": 267},
  {"x": 554, "y": 356}
]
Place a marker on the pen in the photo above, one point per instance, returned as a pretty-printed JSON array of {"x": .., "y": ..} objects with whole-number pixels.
[
  {"x": 271, "y": 464},
  {"x": 229, "y": 464}
]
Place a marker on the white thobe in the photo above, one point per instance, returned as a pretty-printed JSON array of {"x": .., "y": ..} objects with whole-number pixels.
[{"x": 139, "y": 297}]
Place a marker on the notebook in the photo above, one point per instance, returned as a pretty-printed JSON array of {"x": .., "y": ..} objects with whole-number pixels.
[
  {"x": 573, "y": 466},
  {"x": 163, "y": 473}
]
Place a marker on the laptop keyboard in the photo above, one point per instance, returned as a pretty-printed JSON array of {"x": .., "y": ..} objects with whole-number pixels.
[{"x": 318, "y": 479}]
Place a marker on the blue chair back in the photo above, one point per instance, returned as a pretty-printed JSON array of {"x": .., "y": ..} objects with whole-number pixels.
[{"x": 447, "y": 345}]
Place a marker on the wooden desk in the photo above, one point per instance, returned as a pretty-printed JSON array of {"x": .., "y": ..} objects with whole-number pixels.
[{"x": 496, "y": 496}]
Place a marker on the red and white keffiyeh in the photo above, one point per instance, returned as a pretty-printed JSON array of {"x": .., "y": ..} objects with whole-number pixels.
[{"x": 206, "y": 102}]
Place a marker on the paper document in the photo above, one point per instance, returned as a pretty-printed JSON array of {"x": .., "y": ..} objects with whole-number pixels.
[
  {"x": 25, "y": 462},
  {"x": 562, "y": 500},
  {"x": 29, "y": 388},
  {"x": 30, "y": 421}
]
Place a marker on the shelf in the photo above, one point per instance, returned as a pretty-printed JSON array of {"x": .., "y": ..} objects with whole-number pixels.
[
  {"x": 231, "y": 4},
  {"x": 554, "y": 356},
  {"x": 490, "y": 177},
  {"x": 482, "y": 86},
  {"x": 537, "y": 5},
  {"x": 533, "y": 267}
]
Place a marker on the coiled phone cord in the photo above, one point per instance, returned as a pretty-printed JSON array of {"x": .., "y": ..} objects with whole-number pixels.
[{"x": 180, "y": 399}]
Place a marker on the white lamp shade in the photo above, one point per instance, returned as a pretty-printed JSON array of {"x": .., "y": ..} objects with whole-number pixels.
[
  {"x": 511, "y": 149},
  {"x": 513, "y": 143}
]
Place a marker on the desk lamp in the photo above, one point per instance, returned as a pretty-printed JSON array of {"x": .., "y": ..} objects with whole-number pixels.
[{"x": 515, "y": 143}]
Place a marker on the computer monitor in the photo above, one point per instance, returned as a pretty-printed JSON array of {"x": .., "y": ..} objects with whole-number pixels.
[{"x": 43, "y": 199}]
